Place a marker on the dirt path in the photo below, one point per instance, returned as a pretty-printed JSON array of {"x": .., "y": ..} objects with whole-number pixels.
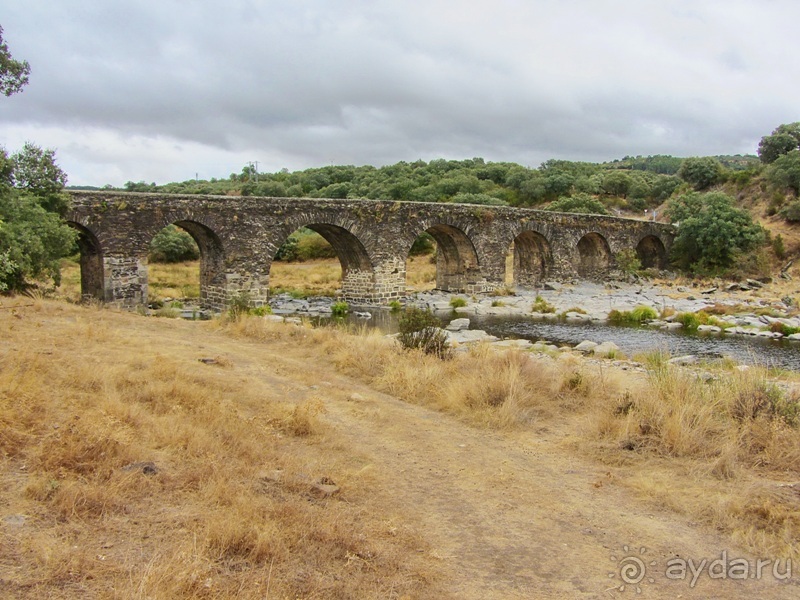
[{"x": 510, "y": 515}]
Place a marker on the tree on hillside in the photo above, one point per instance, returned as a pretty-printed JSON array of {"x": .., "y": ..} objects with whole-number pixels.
[
  {"x": 579, "y": 203},
  {"x": 701, "y": 172},
  {"x": 712, "y": 232},
  {"x": 784, "y": 139},
  {"x": 13, "y": 73},
  {"x": 784, "y": 172}
]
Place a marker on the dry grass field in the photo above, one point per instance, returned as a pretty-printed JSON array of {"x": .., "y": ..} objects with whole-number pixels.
[{"x": 156, "y": 458}]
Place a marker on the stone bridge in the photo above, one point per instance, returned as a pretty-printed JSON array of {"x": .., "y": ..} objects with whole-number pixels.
[{"x": 238, "y": 238}]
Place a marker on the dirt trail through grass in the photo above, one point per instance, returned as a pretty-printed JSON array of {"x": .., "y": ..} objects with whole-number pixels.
[
  {"x": 513, "y": 515},
  {"x": 505, "y": 514}
]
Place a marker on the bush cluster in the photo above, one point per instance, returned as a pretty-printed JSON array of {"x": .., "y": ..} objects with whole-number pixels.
[{"x": 419, "y": 330}]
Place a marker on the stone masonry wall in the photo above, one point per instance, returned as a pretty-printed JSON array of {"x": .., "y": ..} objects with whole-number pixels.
[{"x": 239, "y": 236}]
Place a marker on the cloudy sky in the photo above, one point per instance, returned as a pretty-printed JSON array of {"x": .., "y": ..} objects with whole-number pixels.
[{"x": 161, "y": 90}]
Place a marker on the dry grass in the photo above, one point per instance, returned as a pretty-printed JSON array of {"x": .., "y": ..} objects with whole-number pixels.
[
  {"x": 142, "y": 472},
  {"x": 722, "y": 451},
  {"x": 321, "y": 277},
  {"x": 715, "y": 451}
]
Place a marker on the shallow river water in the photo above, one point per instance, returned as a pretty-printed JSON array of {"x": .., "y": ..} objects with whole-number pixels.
[{"x": 631, "y": 340}]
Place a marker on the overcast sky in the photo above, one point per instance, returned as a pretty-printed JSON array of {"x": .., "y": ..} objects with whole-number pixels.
[{"x": 161, "y": 90}]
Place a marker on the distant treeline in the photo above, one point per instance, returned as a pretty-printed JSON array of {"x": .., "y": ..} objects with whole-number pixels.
[{"x": 631, "y": 183}]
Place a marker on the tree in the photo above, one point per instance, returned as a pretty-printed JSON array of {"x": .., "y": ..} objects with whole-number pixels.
[
  {"x": 784, "y": 139},
  {"x": 35, "y": 170},
  {"x": 616, "y": 183},
  {"x": 33, "y": 238},
  {"x": 785, "y": 171},
  {"x": 701, "y": 172},
  {"x": 13, "y": 73},
  {"x": 712, "y": 232},
  {"x": 171, "y": 245},
  {"x": 579, "y": 203}
]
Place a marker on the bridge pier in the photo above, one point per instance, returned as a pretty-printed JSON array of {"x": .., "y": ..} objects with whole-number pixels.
[{"x": 125, "y": 280}]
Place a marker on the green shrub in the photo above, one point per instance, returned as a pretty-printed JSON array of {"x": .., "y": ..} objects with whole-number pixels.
[
  {"x": 457, "y": 302},
  {"x": 395, "y": 306},
  {"x": 239, "y": 305},
  {"x": 778, "y": 247},
  {"x": 172, "y": 244},
  {"x": 419, "y": 330},
  {"x": 791, "y": 212},
  {"x": 260, "y": 311},
  {"x": 541, "y": 305},
  {"x": 339, "y": 309},
  {"x": 628, "y": 261},
  {"x": 638, "y": 315}
]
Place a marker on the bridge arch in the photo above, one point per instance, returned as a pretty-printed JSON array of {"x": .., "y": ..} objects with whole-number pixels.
[
  {"x": 212, "y": 260},
  {"x": 594, "y": 256},
  {"x": 457, "y": 263},
  {"x": 533, "y": 258},
  {"x": 651, "y": 252},
  {"x": 91, "y": 263},
  {"x": 354, "y": 258}
]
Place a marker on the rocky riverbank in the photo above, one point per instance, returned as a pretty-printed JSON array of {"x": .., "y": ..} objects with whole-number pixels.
[{"x": 747, "y": 309}]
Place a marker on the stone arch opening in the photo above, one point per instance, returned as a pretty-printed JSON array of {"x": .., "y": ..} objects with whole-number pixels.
[
  {"x": 202, "y": 276},
  {"x": 594, "y": 256},
  {"x": 326, "y": 241},
  {"x": 532, "y": 259},
  {"x": 457, "y": 267},
  {"x": 652, "y": 253},
  {"x": 91, "y": 263}
]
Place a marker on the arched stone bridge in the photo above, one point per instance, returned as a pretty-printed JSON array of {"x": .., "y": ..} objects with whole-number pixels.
[{"x": 239, "y": 237}]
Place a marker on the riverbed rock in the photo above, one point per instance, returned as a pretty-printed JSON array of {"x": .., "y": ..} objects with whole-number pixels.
[
  {"x": 708, "y": 329},
  {"x": 606, "y": 349},
  {"x": 458, "y": 324},
  {"x": 687, "y": 359},
  {"x": 469, "y": 336},
  {"x": 586, "y": 346},
  {"x": 521, "y": 344},
  {"x": 551, "y": 286}
]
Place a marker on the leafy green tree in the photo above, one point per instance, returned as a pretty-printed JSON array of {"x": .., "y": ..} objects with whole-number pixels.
[
  {"x": 33, "y": 238},
  {"x": 13, "y": 73},
  {"x": 712, "y": 232},
  {"x": 701, "y": 172},
  {"x": 171, "y": 245},
  {"x": 784, "y": 139},
  {"x": 579, "y": 203},
  {"x": 616, "y": 183},
  {"x": 784, "y": 172},
  {"x": 35, "y": 170}
]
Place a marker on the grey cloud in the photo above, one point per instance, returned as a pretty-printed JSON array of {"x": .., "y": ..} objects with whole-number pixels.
[{"x": 307, "y": 83}]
